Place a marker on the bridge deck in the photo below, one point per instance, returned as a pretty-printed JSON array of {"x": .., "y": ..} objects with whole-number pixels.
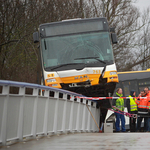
[{"x": 109, "y": 141}]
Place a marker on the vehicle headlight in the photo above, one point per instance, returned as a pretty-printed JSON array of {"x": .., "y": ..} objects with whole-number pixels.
[
  {"x": 54, "y": 84},
  {"x": 51, "y": 80},
  {"x": 113, "y": 73}
]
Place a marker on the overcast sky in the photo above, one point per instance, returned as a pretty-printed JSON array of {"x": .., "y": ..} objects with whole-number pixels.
[{"x": 142, "y": 4}]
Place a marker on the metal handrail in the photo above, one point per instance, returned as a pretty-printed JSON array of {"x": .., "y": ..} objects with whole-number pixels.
[
  {"x": 16, "y": 108},
  {"x": 32, "y": 85}
]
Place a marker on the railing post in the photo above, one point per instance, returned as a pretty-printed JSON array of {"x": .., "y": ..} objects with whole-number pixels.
[
  {"x": 71, "y": 113},
  {"x": 78, "y": 115},
  {"x": 89, "y": 116},
  {"x": 93, "y": 123},
  {"x": 46, "y": 94},
  {"x": 83, "y": 120},
  {"x": 64, "y": 113},
  {"x": 56, "y": 112},
  {"x": 95, "y": 116},
  {"x": 5, "y": 91},
  {"x": 34, "y": 125},
  {"x": 20, "y": 121}
]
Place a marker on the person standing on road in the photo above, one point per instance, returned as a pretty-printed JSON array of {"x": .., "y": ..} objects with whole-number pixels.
[
  {"x": 142, "y": 111},
  {"x": 148, "y": 120},
  {"x": 132, "y": 109},
  {"x": 146, "y": 89},
  {"x": 119, "y": 104}
]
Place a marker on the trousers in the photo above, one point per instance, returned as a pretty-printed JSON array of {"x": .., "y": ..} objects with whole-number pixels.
[
  {"x": 120, "y": 117},
  {"x": 139, "y": 121},
  {"x": 132, "y": 122},
  {"x": 148, "y": 123}
]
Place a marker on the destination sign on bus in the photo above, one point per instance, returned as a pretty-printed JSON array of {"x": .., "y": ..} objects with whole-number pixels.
[{"x": 73, "y": 27}]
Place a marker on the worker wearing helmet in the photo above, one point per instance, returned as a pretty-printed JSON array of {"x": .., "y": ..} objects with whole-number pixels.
[
  {"x": 146, "y": 89},
  {"x": 142, "y": 111}
]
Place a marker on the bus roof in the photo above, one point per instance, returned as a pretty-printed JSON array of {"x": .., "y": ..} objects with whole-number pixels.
[
  {"x": 73, "y": 20},
  {"x": 133, "y": 75},
  {"x": 74, "y": 26},
  {"x": 148, "y": 70}
]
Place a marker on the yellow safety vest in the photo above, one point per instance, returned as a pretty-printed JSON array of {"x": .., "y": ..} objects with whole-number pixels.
[
  {"x": 133, "y": 105},
  {"x": 120, "y": 102}
]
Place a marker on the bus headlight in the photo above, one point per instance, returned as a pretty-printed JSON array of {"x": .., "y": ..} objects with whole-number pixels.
[
  {"x": 51, "y": 80},
  {"x": 51, "y": 85},
  {"x": 54, "y": 84},
  {"x": 113, "y": 73}
]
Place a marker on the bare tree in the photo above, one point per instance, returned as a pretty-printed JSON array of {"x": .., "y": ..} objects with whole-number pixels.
[
  {"x": 141, "y": 47},
  {"x": 18, "y": 20},
  {"x": 125, "y": 17}
]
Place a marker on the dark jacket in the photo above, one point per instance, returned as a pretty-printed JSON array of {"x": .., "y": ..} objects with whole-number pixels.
[{"x": 114, "y": 100}]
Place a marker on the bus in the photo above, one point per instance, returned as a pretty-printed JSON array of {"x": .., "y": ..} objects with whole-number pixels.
[
  {"x": 77, "y": 55},
  {"x": 133, "y": 80}
]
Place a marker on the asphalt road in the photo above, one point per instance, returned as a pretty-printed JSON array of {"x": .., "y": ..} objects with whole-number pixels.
[{"x": 106, "y": 141}]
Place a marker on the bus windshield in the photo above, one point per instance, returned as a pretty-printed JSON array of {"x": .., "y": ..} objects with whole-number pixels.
[{"x": 83, "y": 48}]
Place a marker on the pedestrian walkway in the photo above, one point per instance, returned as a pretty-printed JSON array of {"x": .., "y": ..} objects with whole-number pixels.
[{"x": 107, "y": 141}]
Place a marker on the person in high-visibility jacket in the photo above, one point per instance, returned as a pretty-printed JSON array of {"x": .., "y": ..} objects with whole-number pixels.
[
  {"x": 119, "y": 104},
  {"x": 148, "y": 121},
  {"x": 142, "y": 111},
  {"x": 146, "y": 89},
  {"x": 132, "y": 109}
]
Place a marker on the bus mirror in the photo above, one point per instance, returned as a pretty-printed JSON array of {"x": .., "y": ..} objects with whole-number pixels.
[
  {"x": 114, "y": 38},
  {"x": 112, "y": 29},
  {"x": 36, "y": 37}
]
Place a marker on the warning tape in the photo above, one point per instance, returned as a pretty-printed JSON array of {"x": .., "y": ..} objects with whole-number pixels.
[
  {"x": 116, "y": 109},
  {"x": 102, "y": 98}
]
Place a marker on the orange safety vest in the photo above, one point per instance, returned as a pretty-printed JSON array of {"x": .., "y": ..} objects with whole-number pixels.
[
  {"x": 142, "y": 103},
  {"x": 148, "y": 100},
  {"x": 148, "y": 95}
]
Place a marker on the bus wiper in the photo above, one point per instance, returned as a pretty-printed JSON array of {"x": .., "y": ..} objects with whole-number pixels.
[
  {"x": 97, "y": 58},
  {"x": 45, "y": 44},
  {"x": 52, "y": 68}
]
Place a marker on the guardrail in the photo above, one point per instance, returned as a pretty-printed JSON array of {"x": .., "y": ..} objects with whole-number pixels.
[{"x": 28, "y": 115}]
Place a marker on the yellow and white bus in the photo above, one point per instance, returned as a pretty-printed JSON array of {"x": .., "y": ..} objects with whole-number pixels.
[{"x": 77, "y": 55}]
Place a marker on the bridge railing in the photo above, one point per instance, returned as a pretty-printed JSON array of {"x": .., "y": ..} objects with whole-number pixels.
[{"x": 28, "y": 115}]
